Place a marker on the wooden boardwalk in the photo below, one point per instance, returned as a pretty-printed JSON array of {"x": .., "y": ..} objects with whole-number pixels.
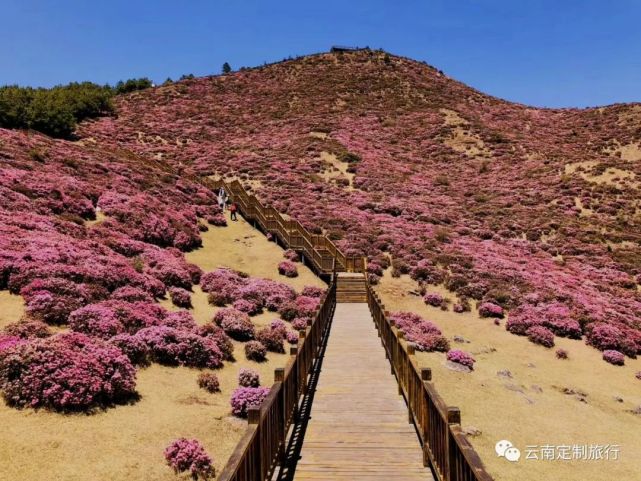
[{"x": 359, "y": 427}]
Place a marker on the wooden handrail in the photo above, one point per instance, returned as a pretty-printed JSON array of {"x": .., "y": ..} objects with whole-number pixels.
[
  {"x": 263, "y": 444},
  {"x": 445, "y": 447}
]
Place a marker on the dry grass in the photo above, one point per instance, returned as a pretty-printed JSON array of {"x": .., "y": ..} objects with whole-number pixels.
[
  {"x": 12, "y": 308},
  {"x": 335, "y": 170},
  {"x": 529, "y": 408},
  {"x": 127, "y": 442}
]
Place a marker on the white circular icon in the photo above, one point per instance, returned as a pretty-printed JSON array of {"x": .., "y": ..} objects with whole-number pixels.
[
  {"x": 512, "y": 454},
  {"x": 502, "y": 446}
]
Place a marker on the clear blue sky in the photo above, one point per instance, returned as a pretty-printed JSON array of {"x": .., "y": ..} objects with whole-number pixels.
[{"x": 545, "y": 53}]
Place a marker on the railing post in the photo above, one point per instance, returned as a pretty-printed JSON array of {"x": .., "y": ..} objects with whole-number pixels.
[{"x": 453, "y": 417}]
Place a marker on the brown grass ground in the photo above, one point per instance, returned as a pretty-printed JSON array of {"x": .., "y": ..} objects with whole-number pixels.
[
  {"x": 127, "y": 442},
  {"x": 530, "y": 408}
]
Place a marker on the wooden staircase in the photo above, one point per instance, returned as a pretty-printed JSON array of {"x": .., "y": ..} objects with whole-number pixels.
[{"x": 351, "y": 287}]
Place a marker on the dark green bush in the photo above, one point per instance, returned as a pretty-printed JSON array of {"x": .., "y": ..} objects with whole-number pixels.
[{"x": 132, "y": 85}]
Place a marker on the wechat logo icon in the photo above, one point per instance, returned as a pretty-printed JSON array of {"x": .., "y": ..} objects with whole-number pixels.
[{"x": 505, "y": 449}]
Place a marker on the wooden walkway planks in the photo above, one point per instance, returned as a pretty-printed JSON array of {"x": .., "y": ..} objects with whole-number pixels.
[{"x": 359, "y": 427}]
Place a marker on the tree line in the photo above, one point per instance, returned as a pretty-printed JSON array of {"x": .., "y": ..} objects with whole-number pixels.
[{"x": 56, "y": 111}]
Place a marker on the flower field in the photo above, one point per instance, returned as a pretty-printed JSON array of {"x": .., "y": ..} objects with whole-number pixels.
[
  {"x": 139, "y": 352},
  {"x": 527, "y": 210}
]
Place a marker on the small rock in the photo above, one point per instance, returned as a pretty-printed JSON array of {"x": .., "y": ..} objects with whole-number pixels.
[
  {"x": 460, "y": 339},
  {"x": 529, "y": 364},
  {"x": 536, "y": 388},
  {"x": 472, "y": 431},
  {"x": 636, "y": 410},
  {"x": 618, "y": 399},
  {"x": 513, "y": 387},
  {"x": 455, "y": 366},
  {"x": 504, "y": 373}
]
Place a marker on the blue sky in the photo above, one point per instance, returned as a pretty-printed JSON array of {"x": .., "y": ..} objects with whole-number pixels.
[{"x": 544, "y": 53}]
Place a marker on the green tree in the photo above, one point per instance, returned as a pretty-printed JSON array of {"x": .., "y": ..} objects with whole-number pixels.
[
  {"x": 226, "y": 68},
  {"x": 132, "y": 85}
]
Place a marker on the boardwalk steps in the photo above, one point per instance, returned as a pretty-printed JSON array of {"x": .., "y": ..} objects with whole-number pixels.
[
  {"x": 359, "y": 427},
  {"x": 351, "y": 288}
]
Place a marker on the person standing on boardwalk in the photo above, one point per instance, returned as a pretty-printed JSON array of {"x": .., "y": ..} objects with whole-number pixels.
[
  {"x": 233, "y": 209},
  {"x": 221, "y": 198}
]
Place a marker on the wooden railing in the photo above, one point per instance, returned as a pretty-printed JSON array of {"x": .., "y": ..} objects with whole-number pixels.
[
  {"x": 445, "y": 447},
  {"x": 319, "y": 250},
  {"x": 263, "y": 443}
]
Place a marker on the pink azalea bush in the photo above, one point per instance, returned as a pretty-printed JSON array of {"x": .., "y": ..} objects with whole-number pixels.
[
  {"x": 561, "y": 354},
  {"x": 489, "y": 309},
  {"x": 461, "y": 357},
  {"x": 287, "y": 269},
  {"x": 180, "y": 297},
  {"x": 133, "y": 347},
  {"x": 312, "y": 291},
  {"x": 189, "y": 455},
  {"x": 433, "y": 299},
  {"x": 540, "y": 335},
  {"x": 291, "y": 255},
  {"x": 255, "y": 351},
  {"x": 244, "y": 398},
  {"x": 272, "y": 338},
  {"x": 65, "y": 372},
  {"x": 614, "y": 357},
  {"x": 248, "y": 378},
  {"x": 423, "y": 334},
  {"x": 209, "y": 382},
  {"x": 235, "y": 323},
  {"x": 7, "y": 341},
  {"x": 178, "y": 347},
  {"x": 27, "y": 329},
  {"x": 218, "y": 336}
]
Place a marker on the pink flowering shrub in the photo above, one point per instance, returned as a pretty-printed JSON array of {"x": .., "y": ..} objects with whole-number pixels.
[
  {"x": 27, "y": 329},
  {"x": 433, "y": 299},
  {"x": 109, "y": 318},
  {"x": 222, "y": 340},
  {"x": 255, "y": 351},
  {"x": 287, "y": 269},
  {"x": 608, "y": 337},
  {"x": 235, "y": 323},
  {"x": 291, "y": 255},
  {"x": 133, "y": 347},
  {"x": 179, "y": 320},
  {"x": 423, "y": 334},
  {"x": 248, "y": 378},
  {"x": 180, "y": 297},
  {"x": 561, "y": 354},
  {"x": 189, "y": 455},
  {"x": 176, "y": 347},
  {"x": 540, "y": 335},
  {"x": 244, "y": 398},
  {"x": 209, "y": 382},
  {"x": 300, "y": 323},
  {"x": 489, "y": 309},
  {"x": 461, "y": 357},
  {"x": 614, "y": 357},
  {"x": 7, "y": 341},
  {"x": 312, "y": 291},
  {"x": 66, "y": 372},
  {"x": 249, "y": 307},
  {"x": 131, "y": 294},
  {"x": 292, "y": 337},
  {"x": 272, "y": 338}
]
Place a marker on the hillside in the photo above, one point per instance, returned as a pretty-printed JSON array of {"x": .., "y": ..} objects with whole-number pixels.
[{"x": 535, "y": 210}]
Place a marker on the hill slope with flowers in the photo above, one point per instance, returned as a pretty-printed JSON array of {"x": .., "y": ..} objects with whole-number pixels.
[{"x": 533, "y": 210}]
